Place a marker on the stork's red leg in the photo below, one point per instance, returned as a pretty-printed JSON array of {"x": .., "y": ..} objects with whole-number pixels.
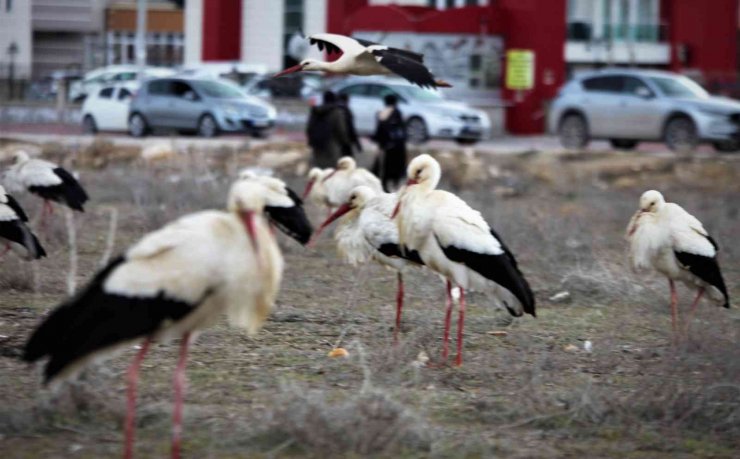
[
  {"x": 692, "y": 311},
  {"x": 460, "y": 325},
  {"x": 179, "y": 383},
  {"x": 399, "y": 307},
  {"x": 448, "y": 316},
  {"x": 133, "y": 378},
  {"x": 674, "y": 310}
]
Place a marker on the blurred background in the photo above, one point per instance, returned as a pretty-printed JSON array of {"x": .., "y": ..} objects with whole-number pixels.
[{"x": 507, "y": 59}]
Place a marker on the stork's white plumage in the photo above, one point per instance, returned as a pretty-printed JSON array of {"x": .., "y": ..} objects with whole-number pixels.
[
  {"x": 454, "y": 240},
  {"x": 346, "y": 177},
  {"x": 366, "y": 232},
  {"x": 664, "y": 237},
  {"x": 47, "y": 180},
  {"x": 315, "y": 190},
  {"x": 363, "y": 57},
  {"x": 172, "y": 283},
  {"x": 13, "y": 228}
]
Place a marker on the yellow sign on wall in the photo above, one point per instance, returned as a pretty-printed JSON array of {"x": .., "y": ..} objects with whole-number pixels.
[{"x": 519, "y": 69}]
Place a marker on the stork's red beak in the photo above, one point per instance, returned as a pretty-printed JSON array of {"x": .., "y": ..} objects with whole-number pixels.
[
  {"x": 396, "y": 209},
  {"x": 295, "y": 68},
  {"x": 329, "y": 176},
  {"x": 411, "y": 181},
  {"x": 343, "y": 209},
  {"x": 248, "y": 219},
  {"x": 309, "y": 187}
]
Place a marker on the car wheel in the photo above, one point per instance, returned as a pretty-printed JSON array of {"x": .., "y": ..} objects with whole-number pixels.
[
  {"x": 88, "y": 125},
  {"x": 416, "y": 131},
  {"x": 207, "y": 126},
  {"x": 137, "y": 125},
  {"x": 727, "y": 146},
  {"x": 260, "y": 133},
  {"x": 573, "y": 132},
  {"x": 623, "y": 144},
  {"x": 680, "y": 134},
  {"x": 466, "y": 141}
]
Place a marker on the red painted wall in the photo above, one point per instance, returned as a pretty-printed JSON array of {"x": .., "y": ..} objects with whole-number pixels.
[
  {"x": 708, "y": 34},
  {"x": 222, "y": 30}
]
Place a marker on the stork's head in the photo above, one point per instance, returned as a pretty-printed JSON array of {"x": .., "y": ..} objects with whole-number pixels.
[
  {"x": 21, "y": 156},
  {"x": 346, "y": 163},
  {"x": 306, "y": 64},
  {"x": 424, "y": 170},
  {"x": 355, "y": 203},
  {"x": 247, "y": 200},
  {"x": 313, "y": 175},
  {"x": 651, "y": 201}
]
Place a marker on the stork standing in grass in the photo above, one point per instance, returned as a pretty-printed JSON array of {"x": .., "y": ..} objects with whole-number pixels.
[
  {"x": 47, "y": 180},
  {"x": 664, "y": 237},
  {"x": 363, "y": 57},
  {"x": 14, "y": 229},
  {"x": 455, "y": 241},
  {"x": 174, "y": 282},
  {"x": 366, "y": 232}
]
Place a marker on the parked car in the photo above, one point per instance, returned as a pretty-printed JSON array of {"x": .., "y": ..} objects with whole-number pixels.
[
  {"x": 629, "y": 106},
  {"x": 96, "y": 79},
  {"x": 427, "y": 113},
  {"x": 206, "y": 106},
  {"x": 46, "y": 88},
  {"x": 107, "y": 109},
  {"x": 295, "y": 85}
]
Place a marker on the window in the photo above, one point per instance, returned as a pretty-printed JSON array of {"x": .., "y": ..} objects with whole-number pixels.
[
  {"x": 124, "y": 94},
  {"x": 635, "y": 87},
  {"x": 180, "y": 88},
  {"x": 604, "y": 84},
  {"x": 8, "y": 5},
  {"x": 125, "y": 76},
  {"x": 105, "y": 93},
  {"x": 679, "y": 87},
  {"x": 292, "y": 23},
  {"x": 355, "y": 90},
  {"x": 159, "y": 87},
  {"x": 375, "y": 90},
  {"x": 220, "y": 90}
]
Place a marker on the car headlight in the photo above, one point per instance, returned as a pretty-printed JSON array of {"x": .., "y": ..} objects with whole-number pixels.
[
  {"x": 714, "y": 113},
  {"x": 231, "y": 112}
]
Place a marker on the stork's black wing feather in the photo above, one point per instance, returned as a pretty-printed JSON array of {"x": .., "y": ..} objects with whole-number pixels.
[
  {"x": 394, "y": 250},
  {"x": 13, "y": 204},
  {"x": 17, "y": 231},
  {"x": 95, "y": 320},
  {"x": 502, "y": 269},
  {"x": 413, "y": 71},
  {"x": 418, "y": 57},
  {"x": 331, "y": 48},
  {"x": 706, "y": 269},
  {"x": 69, "y": 192}
]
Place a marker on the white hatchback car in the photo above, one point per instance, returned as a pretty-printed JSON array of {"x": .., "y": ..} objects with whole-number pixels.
[
  {"x": 107, "y": 109},
  {"x": 427, "y": 113}
]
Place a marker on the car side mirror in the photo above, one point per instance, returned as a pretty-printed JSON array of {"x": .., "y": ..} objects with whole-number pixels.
[
  {"x": 643, "y": 92},
  {"x": 190, "y": 95}
]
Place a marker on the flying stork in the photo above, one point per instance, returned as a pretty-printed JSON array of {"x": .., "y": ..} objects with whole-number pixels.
[
  {"x": 47, "y": 180},
  {"x": 366, "y": 232},
  {"x": 172, "y": 283},
  {"x": 664, "y": 237},
  {"x": 455, "y": 241},
  {"x": 14, "y": 230},
  {"x": 363, "y": 57}
]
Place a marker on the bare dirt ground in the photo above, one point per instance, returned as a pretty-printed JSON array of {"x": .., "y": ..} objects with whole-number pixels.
[{"x": 532, "y": 393}]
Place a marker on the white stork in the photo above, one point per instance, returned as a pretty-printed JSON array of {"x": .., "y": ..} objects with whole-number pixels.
[
  {"x": 173, "y": 283},
  {"x": 47, "y": 180},
  {"x": 340, "y": 182},
  {"x": 664, "y": 237},
  {"x": 315, "y": 190},
  {"x": 455, "y": 241},
  {"x": 363, "y": 57},
  {"x": 366, "y": 232},
  {"x": 13, "y": 228},
  {"x": 288, "y": 216}
]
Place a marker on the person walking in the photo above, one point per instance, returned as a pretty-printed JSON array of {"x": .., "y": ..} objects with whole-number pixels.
[
  {"x": 349, "y": 119},
  {"x": 390, "y": 135},
  {"x": 327, "y": 132}
]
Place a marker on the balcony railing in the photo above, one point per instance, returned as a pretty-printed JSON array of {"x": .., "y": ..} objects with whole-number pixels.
[{"x": 649, "y": 33}]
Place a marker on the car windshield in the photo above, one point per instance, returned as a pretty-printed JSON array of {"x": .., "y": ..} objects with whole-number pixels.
[
  {"x": 219, "y": 90},
  {"x": 679, "y": 87},
  {"x": 416, "y": 93}
]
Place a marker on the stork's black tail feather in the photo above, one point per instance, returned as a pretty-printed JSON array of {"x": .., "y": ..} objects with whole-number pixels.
[{"x": 74, "y": 195}]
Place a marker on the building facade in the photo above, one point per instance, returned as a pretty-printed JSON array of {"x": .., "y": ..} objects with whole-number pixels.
[{"x": 15, "y": 39}]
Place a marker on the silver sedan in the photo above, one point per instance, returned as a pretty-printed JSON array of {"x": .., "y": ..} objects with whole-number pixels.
[{"x": 628, "y": 106}]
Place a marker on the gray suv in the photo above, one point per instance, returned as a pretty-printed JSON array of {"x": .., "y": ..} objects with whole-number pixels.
[
  {"x": 627, "y": 106},
  {"x": 205, "y": 106}
]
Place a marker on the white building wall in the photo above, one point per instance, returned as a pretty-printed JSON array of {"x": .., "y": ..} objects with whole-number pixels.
[
  {"x": 193, "y": 32},
  {"x": 262, "y": 32},
  {"x": 15, "y": 26}
]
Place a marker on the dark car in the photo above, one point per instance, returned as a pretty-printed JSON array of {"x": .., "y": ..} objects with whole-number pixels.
[{"x": 205, "y": 106}]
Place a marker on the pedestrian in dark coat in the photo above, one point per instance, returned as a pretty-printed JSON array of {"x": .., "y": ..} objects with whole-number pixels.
[
  {"x": 327, "y": 132},
  {"x": 390, "y": 135},
  {"x": 349, "y": 118}
]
